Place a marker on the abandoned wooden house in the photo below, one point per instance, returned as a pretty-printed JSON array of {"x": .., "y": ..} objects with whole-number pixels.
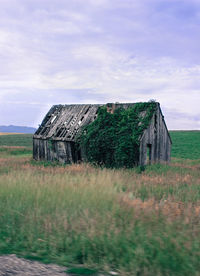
[{"x": 55, "y": 138}]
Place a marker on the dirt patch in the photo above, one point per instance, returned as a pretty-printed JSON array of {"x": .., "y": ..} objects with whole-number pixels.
[{"x": 12, "y": 265}]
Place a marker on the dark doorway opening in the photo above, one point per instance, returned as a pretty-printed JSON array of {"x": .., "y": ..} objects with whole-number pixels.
[
  {"x": 76, "y": 152},
  {"x": 78, "y": 155},
  {"x": 149, "y": 147}
]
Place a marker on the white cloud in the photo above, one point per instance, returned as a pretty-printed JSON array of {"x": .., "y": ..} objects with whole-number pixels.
[
  {"x": 114, "y": 49},
  {"x": 98, "y": 3}
]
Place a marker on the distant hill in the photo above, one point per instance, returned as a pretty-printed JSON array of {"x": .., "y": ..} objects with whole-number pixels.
[{"x": 17, "y": 129}]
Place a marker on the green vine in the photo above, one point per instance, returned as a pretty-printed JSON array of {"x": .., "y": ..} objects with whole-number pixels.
[{"x": 112, "y": 140}]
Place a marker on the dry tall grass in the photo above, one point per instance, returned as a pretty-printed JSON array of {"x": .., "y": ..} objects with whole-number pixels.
[{"x": 136, "y": 223}]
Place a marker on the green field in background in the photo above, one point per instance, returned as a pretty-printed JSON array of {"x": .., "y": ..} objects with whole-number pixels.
[
  {"x": 21, "y": 140},
  {"x": 186, "y": 144}
]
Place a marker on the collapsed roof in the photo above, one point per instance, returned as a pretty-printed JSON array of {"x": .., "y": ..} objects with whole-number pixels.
[{"x": 63, "y": 122}]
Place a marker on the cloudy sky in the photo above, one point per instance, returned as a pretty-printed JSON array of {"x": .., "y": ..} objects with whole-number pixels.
[{"x": 99, "y": 51}]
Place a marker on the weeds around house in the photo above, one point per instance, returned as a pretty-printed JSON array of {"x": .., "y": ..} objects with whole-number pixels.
[{"x": 80, "y": 216}]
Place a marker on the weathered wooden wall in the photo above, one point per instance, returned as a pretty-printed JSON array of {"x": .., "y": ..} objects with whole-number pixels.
[
  {"x": 49, "y": 150},
  {"x": 157, "y": 139}
]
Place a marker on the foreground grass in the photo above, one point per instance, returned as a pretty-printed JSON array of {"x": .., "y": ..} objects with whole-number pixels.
[
  {"x": 136, "y": 224},
  {"x": 123, "y": 220}
]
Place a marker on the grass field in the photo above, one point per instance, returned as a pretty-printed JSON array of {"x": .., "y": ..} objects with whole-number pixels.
[
  {"x": 121, "y": 220},
  {"x": 21, "y": 140},
  {"x": 186, "y": 144}
]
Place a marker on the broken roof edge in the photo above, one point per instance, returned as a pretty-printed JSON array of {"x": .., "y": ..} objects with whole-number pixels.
[
  {"x": 68, "y": 117},
  {"x": 105, "y": 104}
]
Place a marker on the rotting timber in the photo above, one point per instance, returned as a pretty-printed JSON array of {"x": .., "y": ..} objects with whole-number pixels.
[{"x": 55, "y": 139}]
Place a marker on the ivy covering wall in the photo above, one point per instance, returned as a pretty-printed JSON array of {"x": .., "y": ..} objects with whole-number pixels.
[{"x": 112, "y": 140}]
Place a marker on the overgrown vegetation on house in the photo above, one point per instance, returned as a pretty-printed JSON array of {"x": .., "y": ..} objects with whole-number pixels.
[{"x": 112, "y": 140}]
